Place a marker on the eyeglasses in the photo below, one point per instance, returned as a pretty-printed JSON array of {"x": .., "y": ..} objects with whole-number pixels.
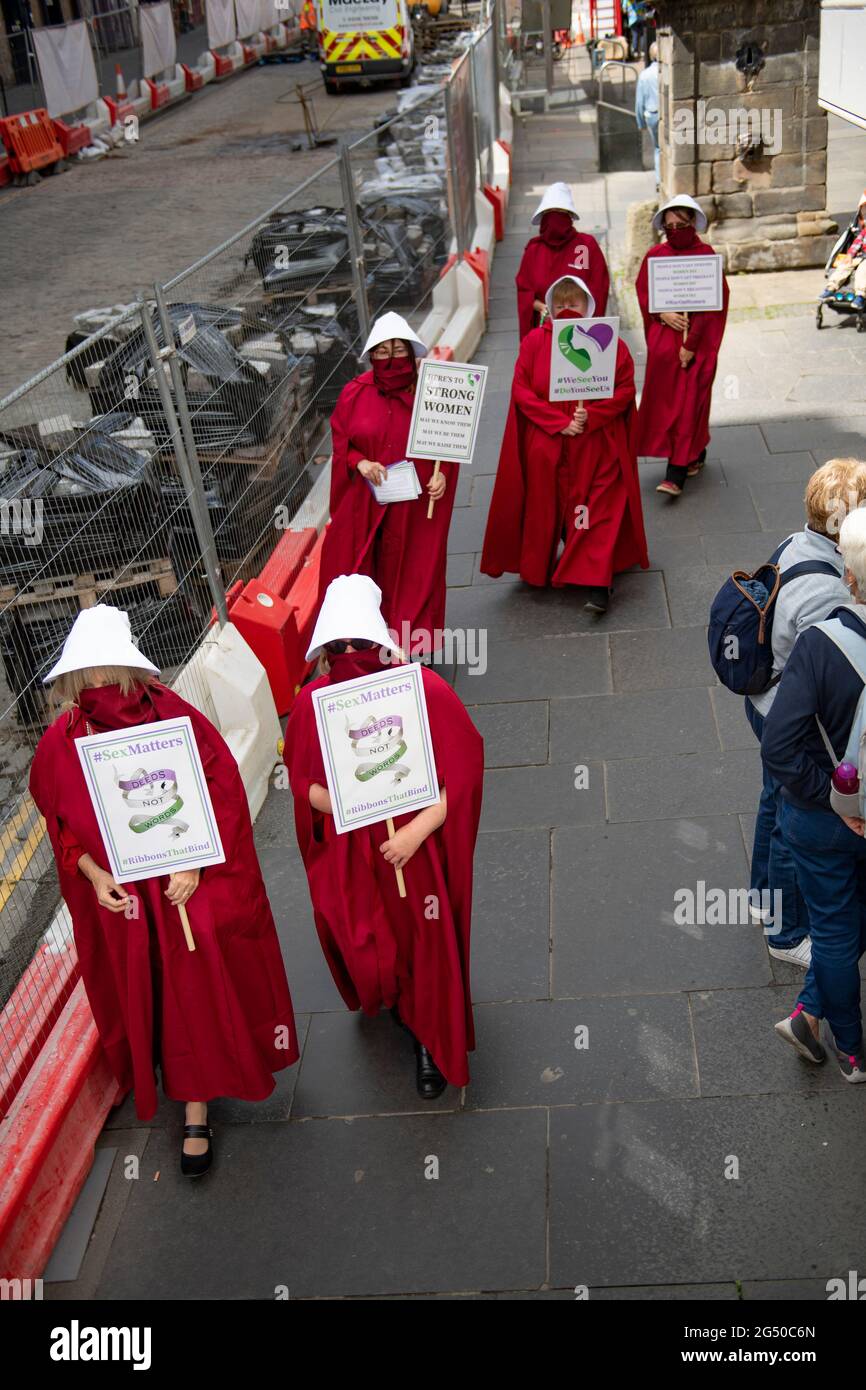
[{"x": 356, "y": 644}]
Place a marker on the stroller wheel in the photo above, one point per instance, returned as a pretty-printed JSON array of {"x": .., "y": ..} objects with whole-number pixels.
[{"x": 819, "y": 316}]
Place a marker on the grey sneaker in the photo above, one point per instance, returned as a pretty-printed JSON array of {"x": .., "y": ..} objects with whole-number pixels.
[
  {"x": 852, "y": 1065},
  {"x": 796, "y": 1031},
  {"x": 800, "y": 955}
]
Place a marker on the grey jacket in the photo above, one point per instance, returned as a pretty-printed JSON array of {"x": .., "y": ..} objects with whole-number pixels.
[{"x": 804, "y": 601}]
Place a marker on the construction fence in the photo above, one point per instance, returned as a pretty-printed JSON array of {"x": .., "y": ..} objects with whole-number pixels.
[{"x": 163, "y": 461}]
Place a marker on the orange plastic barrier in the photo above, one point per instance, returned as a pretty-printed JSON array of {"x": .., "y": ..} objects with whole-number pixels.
[
  {"x": 443, "y": 354},
  {"x": 30, "y": 141},
  {"x": 72, "y": 137},
  {"x": 496, "y": 197},
  {"x": 479, "y": 261},
  {"x": 286, "y": 562}
]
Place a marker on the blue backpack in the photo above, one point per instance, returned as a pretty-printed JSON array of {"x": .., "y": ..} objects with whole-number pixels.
[{"x": 740, "y": 634}]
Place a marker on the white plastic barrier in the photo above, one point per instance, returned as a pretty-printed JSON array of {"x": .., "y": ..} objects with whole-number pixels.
[
  {"x": 138, "y": 96},
  {"x": 506, "y": 117},
  {"x": 206, "y": 67},
  {"x": 465, "y": 328},
  {"x": 228, "y": 683},
  {"x": 444, "y": 306},
  {"x": 176, "y": 83},
  {"x": 485, "y": 227}
]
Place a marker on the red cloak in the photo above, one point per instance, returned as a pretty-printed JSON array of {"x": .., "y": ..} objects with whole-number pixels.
[
  {"x": 543, "y": 476},
  {"x": 210, "y": 1018},
  {"x": 394, "y": 544},
  {"x": 542, "y": 264},
  {"x": 383, "y": 949},
  {"x": 674, "y": 415}
]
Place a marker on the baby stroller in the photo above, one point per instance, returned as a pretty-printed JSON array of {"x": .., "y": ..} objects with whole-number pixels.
[{"x": 844, "y": 298}]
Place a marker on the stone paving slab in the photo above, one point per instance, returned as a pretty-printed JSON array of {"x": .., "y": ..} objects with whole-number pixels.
[
  {"x": 302, "y": 1206},
  {"x": 639, "y": 1189},
  {"x": 615, "y": 908}
]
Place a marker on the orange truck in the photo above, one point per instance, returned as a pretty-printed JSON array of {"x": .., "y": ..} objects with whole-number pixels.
[{"x": 364, "y": 41}]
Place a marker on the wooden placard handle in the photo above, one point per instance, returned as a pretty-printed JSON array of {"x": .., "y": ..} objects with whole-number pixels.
[
  {"x": 431, "y": 504},
  {"x": 401, "y": 882},
  {"x": 187, "y": 929}
]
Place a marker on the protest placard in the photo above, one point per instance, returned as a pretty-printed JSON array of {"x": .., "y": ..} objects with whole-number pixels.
[
  {"x": 151, "y": 800},
  {"x": 376, "y": 746},
  {"x": 583, "y": 359},
  {"x": 448, "y": 400},
  {"x": 684, "y": 284}
]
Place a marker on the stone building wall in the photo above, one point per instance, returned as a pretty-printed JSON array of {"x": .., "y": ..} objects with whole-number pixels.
[{"x": 741, "y": 129}]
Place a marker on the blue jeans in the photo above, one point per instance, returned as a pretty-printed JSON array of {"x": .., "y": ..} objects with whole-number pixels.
[
  {"x": 652, "y": 125},
  {"x": 772, "y": 861},
  {"x": 831, "y": 868}
]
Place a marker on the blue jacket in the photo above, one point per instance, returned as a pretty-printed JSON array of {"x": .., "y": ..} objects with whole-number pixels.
[{"x": 818, "y": 680}]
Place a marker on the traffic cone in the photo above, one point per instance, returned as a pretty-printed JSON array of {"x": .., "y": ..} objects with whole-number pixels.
[
  {"x": 580, "y": 36},
  {"x": 120, "y": 84}
]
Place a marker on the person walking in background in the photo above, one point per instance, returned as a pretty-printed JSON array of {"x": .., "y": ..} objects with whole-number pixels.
[
  {"x": 559, "y": 249},
  {"x": 385, "y": 951},
  {"x": 815, "y": 719},
  {"x": 682, "y": 355},
  {"x": 567, "y": 474},
  {"x": 805, "y": 598},
  {"x": 218, "y": 1020},
  {"x": 396, "y": 543},
  {"x": 646, "y": 104}
]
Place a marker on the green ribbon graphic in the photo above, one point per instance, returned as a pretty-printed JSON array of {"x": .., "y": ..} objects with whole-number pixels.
[
  {"x": 368, "y": 770},
  {"x": 578, "y": 357}
]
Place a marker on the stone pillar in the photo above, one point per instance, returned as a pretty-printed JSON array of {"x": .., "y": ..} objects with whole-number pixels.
[{"x": 741, "y": 129}]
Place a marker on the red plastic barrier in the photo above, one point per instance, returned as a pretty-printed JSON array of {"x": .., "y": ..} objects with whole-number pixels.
[
  {"x": 29, "y": 1015},
  {"x": 47, "y": 1139},
  {"x": 194, "y": 80},
  {"x": 30, "y": 141},
  {"x": 223, "y": 67},
  {"x": 119, "y": 110},
  {"x": 479, "y": 261},
  {"x": 250, "y": 54},
  {"x": 159, "y": 93},
  {"x": 496, "y": 197},
  {"x": 72, "y": 137},
  {"x": 443, "y": 354},
  {"x": 284, "y": 565},
  {"x": 267, "y": 623},
  {"x": 303, "y": 598},
  {"x": 5, "y": 173}
]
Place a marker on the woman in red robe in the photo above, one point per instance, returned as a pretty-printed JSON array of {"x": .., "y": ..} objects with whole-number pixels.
[
  {"x": 408, "y": 954},
  {"x": 559, "y": 249},
  {"x": 566, "y": 473},
  {"x": 394, "y": 543},
  {"x": 218, "y": 1020},
  {"x": 682, "y": 353}
]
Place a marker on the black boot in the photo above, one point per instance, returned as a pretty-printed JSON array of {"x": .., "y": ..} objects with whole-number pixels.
[
  {"x": 428, "y": 1078},
  {"x": 597, "y": 600},
  {"x": 674, "y": 480}
]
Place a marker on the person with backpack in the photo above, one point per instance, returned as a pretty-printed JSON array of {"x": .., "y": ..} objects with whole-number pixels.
[
  {"x": 817, "y": 721},
  {"x": 810, "y": 585}
]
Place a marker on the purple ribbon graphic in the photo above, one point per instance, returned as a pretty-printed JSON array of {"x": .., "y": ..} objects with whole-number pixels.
[
  {"x": 134, "y": 784},
  {"x": 389, "y": 722},
  {"x": 601, "y": 334}
]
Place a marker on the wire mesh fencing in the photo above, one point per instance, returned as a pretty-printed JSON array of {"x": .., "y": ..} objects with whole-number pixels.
[
  {"x": 399, "y": 183},
  {"x": 156, "y": 465}
]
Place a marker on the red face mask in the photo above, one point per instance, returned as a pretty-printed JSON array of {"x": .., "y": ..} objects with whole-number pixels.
[
  {"x": 556, "y": 227},
  {"x": 348, "y": 665},
  {"x": 394, "y": 374},
  {"x": 568, "y": 314},
  {"x": 681, "y": 238}
]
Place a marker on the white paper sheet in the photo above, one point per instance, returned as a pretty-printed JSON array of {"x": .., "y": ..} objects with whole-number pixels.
[{"x": 401, "y": 484}]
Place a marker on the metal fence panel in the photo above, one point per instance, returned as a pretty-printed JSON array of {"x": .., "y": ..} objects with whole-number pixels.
[
  {"x": 461, "y": 152},
  {"x": 400, "y": 184},
  {"x": 483, "y": 52}
]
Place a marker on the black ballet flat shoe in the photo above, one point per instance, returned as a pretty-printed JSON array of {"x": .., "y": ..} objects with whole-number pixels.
[
  {"x": 194, "y": 1165},
  {"x": 428, "y": 1078},
  {"x": 596, "y": 600}
]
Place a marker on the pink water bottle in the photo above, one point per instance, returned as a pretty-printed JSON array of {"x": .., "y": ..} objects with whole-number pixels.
[{"x": 845, "y": 790}]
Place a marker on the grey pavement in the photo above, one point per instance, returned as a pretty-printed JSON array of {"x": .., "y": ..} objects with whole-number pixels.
[{"x": 632, "y": 1124}]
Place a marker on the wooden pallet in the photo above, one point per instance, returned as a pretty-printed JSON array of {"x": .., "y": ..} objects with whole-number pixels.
[
  {"x": 92, "y": 586},
  {"x": 313, "y": 296}
]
